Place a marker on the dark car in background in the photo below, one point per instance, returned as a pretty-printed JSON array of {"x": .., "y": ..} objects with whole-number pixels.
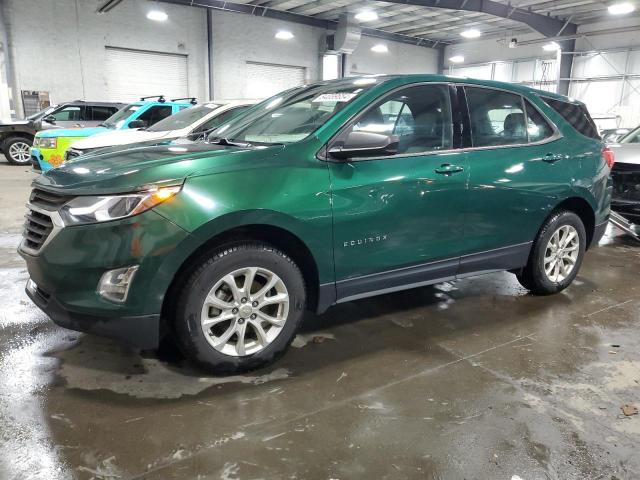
[{"x": 16, "y": 137}]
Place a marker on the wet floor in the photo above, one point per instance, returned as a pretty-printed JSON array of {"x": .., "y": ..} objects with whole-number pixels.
[{"x": 474, "y": 379}]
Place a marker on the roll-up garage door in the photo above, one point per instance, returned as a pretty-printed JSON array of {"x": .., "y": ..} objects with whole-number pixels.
[
  {"x": 131, "y": 74},
  {"x": 266, "y": 79}
]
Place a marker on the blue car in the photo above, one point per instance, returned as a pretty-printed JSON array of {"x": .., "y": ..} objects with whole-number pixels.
[{"x": 50, "y": 146}]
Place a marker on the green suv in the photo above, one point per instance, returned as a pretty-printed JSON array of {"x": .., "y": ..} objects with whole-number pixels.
[{"x": 323, "y": 194}]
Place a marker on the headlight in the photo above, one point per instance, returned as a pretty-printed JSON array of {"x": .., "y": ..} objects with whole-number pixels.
[
  {"x": 44, "y": 142},
  {"x": 94, "y": 209}
]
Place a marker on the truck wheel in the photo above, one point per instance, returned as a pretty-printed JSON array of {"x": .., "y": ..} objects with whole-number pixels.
[
  {"x": 556, "y": 256},
  {"x": 16, "y": 150},
  {"x": 240, "y": 308}
]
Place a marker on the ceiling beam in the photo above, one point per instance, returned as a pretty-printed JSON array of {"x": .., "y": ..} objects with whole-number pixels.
[
  {"x": 260, "y": 11},
  {"x": 546, "y": 25}
]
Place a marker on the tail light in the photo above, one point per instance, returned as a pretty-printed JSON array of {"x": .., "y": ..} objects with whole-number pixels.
[{"x": 608, "y": 156}]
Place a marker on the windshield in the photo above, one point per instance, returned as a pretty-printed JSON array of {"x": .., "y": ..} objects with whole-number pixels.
[
  {"x": 117, "y": 119},
  {"x": 293, "y": 115},
  {"x": 633, "y": 137},
  {"x": 184, "y": 118},
  {"x": 42, "y": 113}
]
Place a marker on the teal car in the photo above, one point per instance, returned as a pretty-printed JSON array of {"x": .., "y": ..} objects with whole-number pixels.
[{"x": 50, "y": 146}]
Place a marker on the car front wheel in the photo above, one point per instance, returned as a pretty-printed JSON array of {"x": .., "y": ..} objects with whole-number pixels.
[
  {"x": 17, "y": 150},
  {"x": 240, "y": 308},
  {"x": 556, "y": 256}
]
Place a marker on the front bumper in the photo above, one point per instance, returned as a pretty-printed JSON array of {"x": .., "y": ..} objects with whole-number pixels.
[
  {"x": 68, "y": 267},
  {"x": 141, "y": 331}
]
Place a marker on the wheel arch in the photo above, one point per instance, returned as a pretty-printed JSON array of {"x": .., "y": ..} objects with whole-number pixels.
[
  {"x": 584, "y": 210},
  {"x": 279, "y": 237}
]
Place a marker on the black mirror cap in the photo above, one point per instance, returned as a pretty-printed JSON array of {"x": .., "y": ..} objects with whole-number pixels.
[
  {"x": 365, "y": 144},
  {"x": 137, "y": 124},
  {"x": 49, "y": 119}
]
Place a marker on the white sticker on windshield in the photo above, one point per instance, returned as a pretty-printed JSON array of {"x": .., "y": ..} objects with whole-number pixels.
[{"x": 334, "y": 97}]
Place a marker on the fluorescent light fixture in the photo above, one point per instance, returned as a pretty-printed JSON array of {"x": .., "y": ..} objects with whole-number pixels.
[
  {"x": 157, "y": 15},
  {"x": 471, "y": 33},
  {"x": 621, "y": 8},
  {"x": 457, "y": 59},
  {"x": 380, "y": 48},
  {"x": 284, "y": 35},
  {"x": 551, "y": 47},
  {"x": 366, "y": 16}
]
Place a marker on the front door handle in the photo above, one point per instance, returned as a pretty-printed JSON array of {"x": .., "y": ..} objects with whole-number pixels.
[
  {"x": 448, "y": 169},
  {"x": 552, "y": 157}
]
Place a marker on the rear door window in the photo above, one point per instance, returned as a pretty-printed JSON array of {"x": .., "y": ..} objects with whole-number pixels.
[
  {"x": 497, "y": 117},
  {"x": 577, "y": 115},
  {"x": 100, "y": 113}
]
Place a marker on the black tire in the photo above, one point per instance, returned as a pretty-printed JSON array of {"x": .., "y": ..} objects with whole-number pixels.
[
  {"x": 190, "y": 334},
  {"x": 6, "y": 149},
  {"x": 533, "y": 277}
]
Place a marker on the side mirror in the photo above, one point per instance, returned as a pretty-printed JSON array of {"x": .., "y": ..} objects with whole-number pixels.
[
  {"x": 49, "y": 119},
  {"x": 365, "y": 144},
  {"x": 137, "y": 124}
]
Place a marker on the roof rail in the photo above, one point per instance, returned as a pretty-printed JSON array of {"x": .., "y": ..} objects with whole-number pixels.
[
  {"x": 160, "y": 98},
  {"x": 192, "y": 100}
]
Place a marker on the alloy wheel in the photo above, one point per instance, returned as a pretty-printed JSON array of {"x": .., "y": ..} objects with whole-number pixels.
[
  {"x": 561, "y": 254},
  {"x": 245, "y": 311},
  {"x": 19, "y": 152}
]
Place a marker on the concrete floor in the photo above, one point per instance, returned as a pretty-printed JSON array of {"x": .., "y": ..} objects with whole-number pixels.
[{"x": 475, "y": 380}]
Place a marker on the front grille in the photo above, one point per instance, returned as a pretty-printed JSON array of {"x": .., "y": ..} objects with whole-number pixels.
[
  {"x": 37, "y": 228},
  {"x": 48, "y": 200}
]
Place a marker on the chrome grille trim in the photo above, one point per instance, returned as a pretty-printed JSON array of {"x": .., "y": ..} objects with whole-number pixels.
[{"x": 37, "y": 230}]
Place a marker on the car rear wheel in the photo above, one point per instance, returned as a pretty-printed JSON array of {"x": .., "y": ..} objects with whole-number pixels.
[
  {"x": 17, "y": 150},
  {"x": 240, "y": 308},
  {"x": 556, "y": 256}
]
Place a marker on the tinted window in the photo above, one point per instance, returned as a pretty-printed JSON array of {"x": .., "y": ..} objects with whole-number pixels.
[
  {"x": 633, "y": 137},
  {"x": 101, "y": 113},
  {"x": 577, "y": 115},
  {"x": 420, "y": 117},
  {"x": 155, "y": 114},
  {"x": 497, "y": 117},
  {"x": 537, "y": 126}
]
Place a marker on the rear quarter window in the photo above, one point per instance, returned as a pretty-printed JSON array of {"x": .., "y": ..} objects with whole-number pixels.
[{"x": 577, "y": 115}]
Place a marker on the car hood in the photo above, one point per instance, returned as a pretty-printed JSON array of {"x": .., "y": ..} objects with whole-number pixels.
[
  {"x": 119, "y": 171},
  {"x": 120, "y": 137},
  {"x": 71, "y": 132},
  {"x": 14, "y": 122},
  {"x": 627, "y": 153}
]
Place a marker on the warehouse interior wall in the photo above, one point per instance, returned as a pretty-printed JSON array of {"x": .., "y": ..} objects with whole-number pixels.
[
  {"x": 400, "y": 58},
  {"x": 68, "y": 37}
]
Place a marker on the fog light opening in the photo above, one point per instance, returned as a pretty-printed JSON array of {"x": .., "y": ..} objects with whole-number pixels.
[{"x": 114, "y": 284}]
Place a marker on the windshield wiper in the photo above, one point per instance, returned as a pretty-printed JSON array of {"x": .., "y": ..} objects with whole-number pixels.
[{"x": 225, "y": 141}]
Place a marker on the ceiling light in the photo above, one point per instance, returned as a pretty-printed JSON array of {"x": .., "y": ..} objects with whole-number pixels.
[
  {"x": 471, "y": 33},
  {"x": 621, "y": 8},
  {"x": 551, "y": 47},
  {"x": 380, "y": 48},
  {"x": 157, "y": 15},
  {"x": 456, "y": 59},
  {"x": 284, "y": 35},
  {"x": 366, "y": 16}
]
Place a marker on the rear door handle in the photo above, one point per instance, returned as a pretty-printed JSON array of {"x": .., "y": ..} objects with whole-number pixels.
[
  {"x": 553, "y": 157},
  {"x": 448, "y": 169}
]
